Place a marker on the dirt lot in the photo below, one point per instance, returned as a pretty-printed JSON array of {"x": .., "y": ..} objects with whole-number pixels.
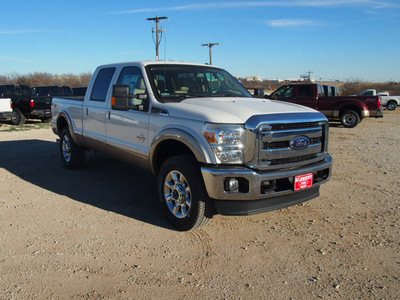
[{"x": 98, "y": 233}]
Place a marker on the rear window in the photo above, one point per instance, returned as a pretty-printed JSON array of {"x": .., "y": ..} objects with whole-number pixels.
[{"x": 102, "y": 84}]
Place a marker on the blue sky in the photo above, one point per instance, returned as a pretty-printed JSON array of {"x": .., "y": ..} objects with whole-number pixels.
[{"x": 335, "y": 39}]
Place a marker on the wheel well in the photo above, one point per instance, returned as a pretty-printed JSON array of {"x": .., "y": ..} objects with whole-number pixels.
[
  {"x": 166, "y": 149},
  {"x": 350, "y": 107},
  {"x": 61, "y": 124}
]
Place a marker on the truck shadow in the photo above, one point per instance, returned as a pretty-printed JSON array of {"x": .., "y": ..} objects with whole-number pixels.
[{"x": 103, "y": 182}]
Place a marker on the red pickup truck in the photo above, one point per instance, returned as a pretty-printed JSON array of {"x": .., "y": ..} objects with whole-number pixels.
[{"x": 350, "y": 110}]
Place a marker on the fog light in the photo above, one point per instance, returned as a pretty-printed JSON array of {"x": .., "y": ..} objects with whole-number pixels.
[{"x": 231, "y": 185}]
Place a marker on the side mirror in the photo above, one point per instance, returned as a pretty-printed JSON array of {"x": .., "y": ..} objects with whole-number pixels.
[
  {"x": 258, "y": 93},
  {"x": 120, "y": 97}
]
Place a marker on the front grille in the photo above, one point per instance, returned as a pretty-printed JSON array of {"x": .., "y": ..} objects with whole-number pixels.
[
  {"x": 292, "y": 160},
  {"x": 292, "y": 126},
  {"x": 285, "y": 144},
  {"x": 274, "y": 144}
]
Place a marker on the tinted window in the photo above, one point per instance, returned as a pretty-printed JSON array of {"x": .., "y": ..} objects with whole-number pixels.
[
  {"x": 66, "y": 91},
  {"x": 40, "y": 91},
  {"x": 102, "y": 84},
  {"x": 26, "y": 91},
  {"x": 304, "y": 91},
  {"x": 54, "y": 91},
  {"x": 8, "y": 91}
]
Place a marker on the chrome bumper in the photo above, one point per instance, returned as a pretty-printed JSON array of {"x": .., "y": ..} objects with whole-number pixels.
[{"x": 215, "y": 177}]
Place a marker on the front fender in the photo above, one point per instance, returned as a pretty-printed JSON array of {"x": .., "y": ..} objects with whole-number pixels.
[{"x": 197, "y": 144}]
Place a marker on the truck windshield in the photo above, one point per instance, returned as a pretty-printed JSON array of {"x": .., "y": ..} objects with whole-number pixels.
[{"x": 174, "y": 83}]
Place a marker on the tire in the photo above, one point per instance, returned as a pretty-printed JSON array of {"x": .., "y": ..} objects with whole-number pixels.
[
  {"x": 17, "y": 118},
  {"x": 350, "y": 119},
  {"x": 391, "y": 105},
  {"x": 182, "y": 193},
  {"x": 72, "y": 155}
]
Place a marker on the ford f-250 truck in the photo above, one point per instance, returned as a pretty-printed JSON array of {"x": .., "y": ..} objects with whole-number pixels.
[
  {"x": 350, "y": 110},
  {"x": 388, "y": 101},
  {"x": 213, "y": 148}
]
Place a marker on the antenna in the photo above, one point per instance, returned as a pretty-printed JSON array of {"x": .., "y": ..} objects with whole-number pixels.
[{"x": 157, "y": 20}]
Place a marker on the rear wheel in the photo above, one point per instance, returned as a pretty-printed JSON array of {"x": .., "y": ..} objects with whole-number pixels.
[
  {"x": 182, "y": 193},
  {"x": 391, "y": 105},
  {"x": 17, "y": 118},
  {"x": 350, "y": 119},
  {"x": 72, "y": 155}
]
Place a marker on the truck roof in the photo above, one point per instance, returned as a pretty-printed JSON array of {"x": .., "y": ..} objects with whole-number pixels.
[{"x": 153, "y": 62}]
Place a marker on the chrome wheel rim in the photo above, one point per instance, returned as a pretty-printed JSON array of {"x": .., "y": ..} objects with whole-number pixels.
[
  {"x": 177, "y": 194},
  {"x": 349, "y": 119},
  {"x": 66, "y": 149}
]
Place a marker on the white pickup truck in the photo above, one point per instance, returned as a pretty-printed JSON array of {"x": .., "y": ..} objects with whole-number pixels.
[
  {"x": 390, "y": 102},
  {"x": 5, "y": 109},
  {"x": 213, "y": 148}
]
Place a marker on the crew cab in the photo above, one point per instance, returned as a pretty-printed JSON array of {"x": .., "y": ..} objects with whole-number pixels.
[
  {"x": 350, "y": 110},
  {"x": 388, "y": 101},
  {"x": 213, "y": 148}
]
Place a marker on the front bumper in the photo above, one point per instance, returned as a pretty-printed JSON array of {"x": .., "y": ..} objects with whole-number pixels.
[{"x": 266, "y": 190}]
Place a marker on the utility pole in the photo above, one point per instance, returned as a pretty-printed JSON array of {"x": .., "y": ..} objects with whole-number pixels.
[
  {"x": 210, "y": 45},
  {"x": 309, "y": 74},
  {"x": 157, "y": 20}
]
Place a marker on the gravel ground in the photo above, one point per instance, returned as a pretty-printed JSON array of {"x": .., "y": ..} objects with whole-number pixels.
[{"x": 98, "y": 233}]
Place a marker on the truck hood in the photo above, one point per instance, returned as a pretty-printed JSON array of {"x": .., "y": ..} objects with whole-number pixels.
[{"x": 232, "y": 110}]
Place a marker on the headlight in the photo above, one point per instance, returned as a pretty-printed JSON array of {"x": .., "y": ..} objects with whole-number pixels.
[{"x": 227, "y": 142}]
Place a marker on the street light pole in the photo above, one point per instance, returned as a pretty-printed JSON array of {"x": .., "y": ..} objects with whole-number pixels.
[{"x": 210, "y": 45}]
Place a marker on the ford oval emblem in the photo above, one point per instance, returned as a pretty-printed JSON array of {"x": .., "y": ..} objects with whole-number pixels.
[{"x": 299, "y": 143}]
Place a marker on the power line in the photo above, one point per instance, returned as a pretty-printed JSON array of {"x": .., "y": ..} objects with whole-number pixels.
[{"x": 157, "y": 20}]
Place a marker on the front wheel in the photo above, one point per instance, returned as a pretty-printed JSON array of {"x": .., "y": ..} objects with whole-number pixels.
[
  {"x": 350, "y": 119},
  {"x": 72, "y": 155},
  {"x": 182, "y": 193},
  {"x": 391, "y": 105}
]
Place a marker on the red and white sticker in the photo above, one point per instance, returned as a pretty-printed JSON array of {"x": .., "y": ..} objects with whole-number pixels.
[{"x": 302, "y": 182}]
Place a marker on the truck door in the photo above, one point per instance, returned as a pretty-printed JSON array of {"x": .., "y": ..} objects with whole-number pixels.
[
  {"x": 94, "y": 110},
  {"x": 129, "y": 130},
  {"x": 305, "y": 95}
]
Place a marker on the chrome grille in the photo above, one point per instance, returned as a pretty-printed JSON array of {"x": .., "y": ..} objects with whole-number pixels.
[{"x": 274, "y": 149}]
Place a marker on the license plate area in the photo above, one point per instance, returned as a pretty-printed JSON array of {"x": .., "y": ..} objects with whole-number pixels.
[{"x": 302, "y": 182}]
